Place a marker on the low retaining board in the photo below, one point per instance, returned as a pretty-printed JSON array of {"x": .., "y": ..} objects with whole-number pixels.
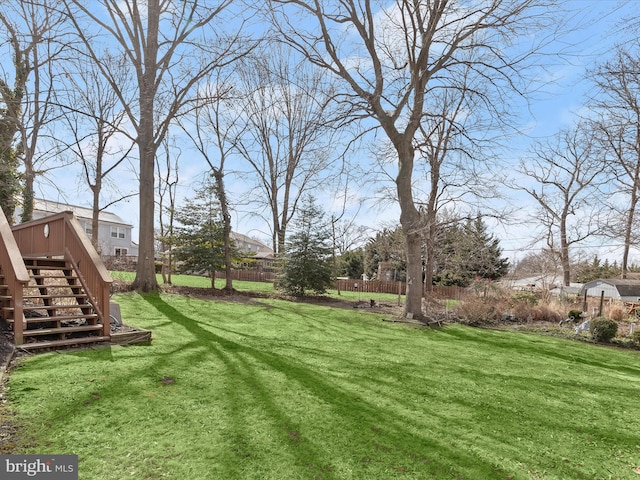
[{"x": 132, "y": 337}]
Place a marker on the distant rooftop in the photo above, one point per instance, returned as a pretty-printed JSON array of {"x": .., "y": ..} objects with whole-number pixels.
[{"x": 51, "y": 207}]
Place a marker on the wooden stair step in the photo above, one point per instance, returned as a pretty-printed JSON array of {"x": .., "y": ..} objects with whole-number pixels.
[
  {"x": 43, "y": 261},
  {"x": 61, "y": 318},
  {"x": 57, "y": 277},
  {"x": 51, "y": 296},
  {"x": 62, "y": 343},
  {"x": 53, "y": 331},
  {"x": 54, "y": 307},
  {"x": 48, "y": 269}
]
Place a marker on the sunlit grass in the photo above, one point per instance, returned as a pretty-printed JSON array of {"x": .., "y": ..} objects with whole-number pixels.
[
  {"x": 270, "y": 389},
  {"x": 262, "y": 287},
  {"x": 197, "y": 281}
]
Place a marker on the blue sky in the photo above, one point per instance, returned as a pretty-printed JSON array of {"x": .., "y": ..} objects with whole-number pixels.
[{"x": 554, "y": 108}]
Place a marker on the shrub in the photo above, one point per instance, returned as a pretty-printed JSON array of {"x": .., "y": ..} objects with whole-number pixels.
[
  {"x": 545, "y": 313},
  {"x": 603, "y": 329},
  {"x": 576, "y": 314},
  {"x": 525, "y": 297},
  {"x": 476, "y": 312},
  {"x": 635, "y": 337},
  {"x": 617, "y": 314}
]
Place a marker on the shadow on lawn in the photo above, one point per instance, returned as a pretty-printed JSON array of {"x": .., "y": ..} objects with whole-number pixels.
[
  {"x": 581, "y": 354},
  {"x": 370, "y": 425}
]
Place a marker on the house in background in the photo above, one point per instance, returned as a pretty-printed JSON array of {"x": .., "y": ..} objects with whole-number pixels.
[
  {"x": 114, "y": 234},
  {"x": 258, "y": 256}
]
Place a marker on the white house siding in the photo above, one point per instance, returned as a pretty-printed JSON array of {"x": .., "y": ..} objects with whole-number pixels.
[{"x": 108, "y": 244}]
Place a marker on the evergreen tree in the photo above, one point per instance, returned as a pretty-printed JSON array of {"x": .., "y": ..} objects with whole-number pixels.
[
  {"x": 586, "y": 272},
  {"x": 466, "y": 251},
  {"x": 307, "y": 259},
  {"x": 351, "y": 263},
  {"x": 199, "y": 234},
  {"x": 386, "y": 246}
]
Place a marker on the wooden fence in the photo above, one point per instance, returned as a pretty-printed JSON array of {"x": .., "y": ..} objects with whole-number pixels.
[{"x": 351, "y": 285}]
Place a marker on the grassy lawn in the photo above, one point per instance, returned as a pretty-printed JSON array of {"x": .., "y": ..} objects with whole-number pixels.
[
  {"x": 275, "y": 390},
  {"x": 262, "y": 287},
  {"x": 200, "y": 282}
]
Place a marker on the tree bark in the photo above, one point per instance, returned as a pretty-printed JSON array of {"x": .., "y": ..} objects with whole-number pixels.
[{"x": 411, "y": 226}]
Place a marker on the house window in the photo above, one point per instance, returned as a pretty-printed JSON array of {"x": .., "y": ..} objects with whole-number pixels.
[
  {"x": 87, "y": 229},
  {"x": 117, "y": 232},
  {"x": 121, "y": 252}
]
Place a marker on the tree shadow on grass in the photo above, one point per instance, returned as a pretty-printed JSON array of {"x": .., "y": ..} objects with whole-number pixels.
[{"x": 367, "y": 424}]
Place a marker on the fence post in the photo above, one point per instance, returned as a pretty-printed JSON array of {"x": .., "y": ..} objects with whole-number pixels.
[{"x": 601, "y": 303}]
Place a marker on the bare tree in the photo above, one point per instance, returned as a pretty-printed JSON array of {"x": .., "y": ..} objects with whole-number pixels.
[
  {"x": 171, "y": 47},
  {"x": 542, "y": 265},
  {"x": 566, "y": 173},
  {"x": 453, "y": 145},
  {"x": 288, "y": 137},
  {"x": 617, "y": 127},
  {"x": 93, "y": 117},
  {"x": 213, "y": 128},
  {"x": 36, "y": 32},
  {"x": 168, "y": 178},
  {"x": 391, "y": 58}
]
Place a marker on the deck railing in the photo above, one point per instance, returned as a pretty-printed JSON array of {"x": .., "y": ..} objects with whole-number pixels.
[
  {"x": 15, "y": 275},
  {"x": 61, "y": 235}
]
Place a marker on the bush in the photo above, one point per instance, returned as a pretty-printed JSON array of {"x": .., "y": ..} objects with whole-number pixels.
[
  {"x": 576, "y": 315},
  {"x": 525, "y": 297},
  {"x": 545, "y": 313},
  {"x": 603, "y": 329},
  {"x": 635, "y": 337},
  {"x": 476, "y": 312},
  {"x": 617, "y": 314}
]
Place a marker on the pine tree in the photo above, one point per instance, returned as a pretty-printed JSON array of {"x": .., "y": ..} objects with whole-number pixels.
[
  {"x": 466, "y": 251},
  {"x": 307, "y": 259},
  {"x": 351, "y": 263},
  {"x": 386, "y": 246},
  {"x": 199, "y": 235}
]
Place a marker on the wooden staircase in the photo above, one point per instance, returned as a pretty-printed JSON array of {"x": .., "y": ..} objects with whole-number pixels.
[
  {"x": 57, "y": 311},
  {"x": 54, "y": 289}
]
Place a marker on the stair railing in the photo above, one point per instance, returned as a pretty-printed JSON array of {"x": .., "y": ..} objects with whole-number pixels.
[
  {"x": 61, "y": 235},
  {"x": 15, "y": 275}
]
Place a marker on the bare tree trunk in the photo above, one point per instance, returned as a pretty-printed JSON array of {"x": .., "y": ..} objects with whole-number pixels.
[
  {"x": 411, "y": 226},
  {"x": 564, "y": 253},
  {"x": 226, "y": 228},
  {"x": 145, "y": 279},
  {"x": 628, "y": 231},
  {"x": 95, "y": 216},
  {"x": 28, "y": 195},
  {"x": 429, "y": 242}
]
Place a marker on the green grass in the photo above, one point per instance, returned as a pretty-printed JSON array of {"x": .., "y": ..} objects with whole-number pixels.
[
  {"x": 200, "y": 282},
  {"x": 278, "y": 390},
  {"x": 261, "y": 287}
]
